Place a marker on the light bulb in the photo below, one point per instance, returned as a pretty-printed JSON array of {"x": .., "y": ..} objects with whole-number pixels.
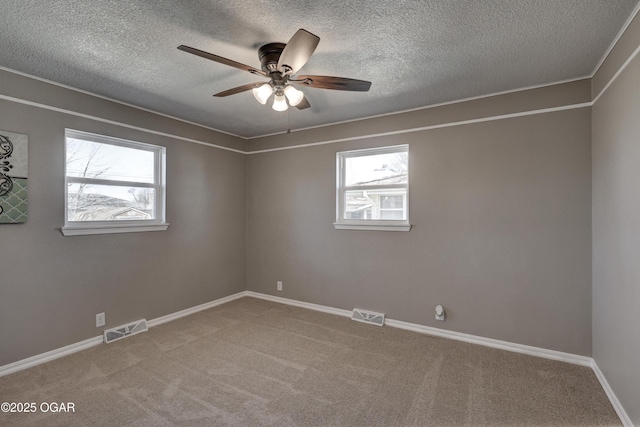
[
  {"x": 263, "y": 93},
  {"x": 280, "y": 102},
  {"x": 293, "y": 95}
]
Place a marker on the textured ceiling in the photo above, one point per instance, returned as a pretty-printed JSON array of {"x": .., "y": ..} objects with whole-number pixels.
[{"x": 416, "y": 53}]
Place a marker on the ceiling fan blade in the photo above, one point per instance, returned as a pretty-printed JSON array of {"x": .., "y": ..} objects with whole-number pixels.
[
  {"x": 336, "y": 83},
  {"x": 298, "y": 51},
  {"x": 239, "y": 89},
  {"x": 303, "y": 104},
  {"x": 221, "y": 60}
]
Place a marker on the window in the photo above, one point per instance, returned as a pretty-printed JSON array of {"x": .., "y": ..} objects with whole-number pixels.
[
  {"x": 373, "y": 189},
  {"x": 112, "y": 185}
]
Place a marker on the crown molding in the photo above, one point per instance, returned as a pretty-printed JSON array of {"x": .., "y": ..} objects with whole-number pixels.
[
  {"x": 616, "y": 40},
  {"x": 106, "y": 98}
]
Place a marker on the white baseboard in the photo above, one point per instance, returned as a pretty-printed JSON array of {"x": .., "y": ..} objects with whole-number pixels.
[
  {"x": 49, "y": 355},
  {"x": 474, "y": 339},
  {"x": 428, "y": 330},
  {"x": 91, "y": 342},
  {"x": 490, "y": 342},
  {"x": 182, "y": 313},
  {"x": 310, "y": 306},
  {"x": 626, "y": 421}
]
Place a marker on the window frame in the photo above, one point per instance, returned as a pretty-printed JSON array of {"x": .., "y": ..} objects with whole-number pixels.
[
  {"x": 341, "y": 189},
  {"x": 75, "y": 228}
]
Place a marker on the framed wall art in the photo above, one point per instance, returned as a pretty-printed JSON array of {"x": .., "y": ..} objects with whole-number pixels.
[{"x": 13, "y": 177}]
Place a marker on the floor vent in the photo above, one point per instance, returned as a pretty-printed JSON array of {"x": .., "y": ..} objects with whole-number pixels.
[
  {"x": 370, "y": 317},
  {"x": 120, "y": 332}
]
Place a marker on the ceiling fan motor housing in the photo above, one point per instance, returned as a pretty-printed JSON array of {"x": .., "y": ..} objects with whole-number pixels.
[{"x": 269, "y": 55}]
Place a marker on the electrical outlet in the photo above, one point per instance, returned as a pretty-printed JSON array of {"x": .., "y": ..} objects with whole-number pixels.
[
  {"x": 100, "y": 318},
  {"x": 440, "y": 313},
  {"x": 279, "y": 285}
]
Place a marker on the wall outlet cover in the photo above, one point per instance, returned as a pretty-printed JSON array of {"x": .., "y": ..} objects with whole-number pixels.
[{"x": 100, "y": 319}]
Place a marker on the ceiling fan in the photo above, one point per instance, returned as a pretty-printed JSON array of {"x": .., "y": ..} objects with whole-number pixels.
[{"x": 280, "y": 62}]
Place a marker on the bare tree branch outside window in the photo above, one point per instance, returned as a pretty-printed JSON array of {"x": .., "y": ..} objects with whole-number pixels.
[
  {"x": 104, "y": 199},
  {"x": 90, "y": 165}
]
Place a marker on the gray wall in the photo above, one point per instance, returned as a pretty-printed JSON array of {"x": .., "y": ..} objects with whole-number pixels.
[
  {"x": 501, "y": 213},
  {"x": 616, "y": 233},
  {"x": 502, "y": 230},
  {"x": 52, "y": 286}
]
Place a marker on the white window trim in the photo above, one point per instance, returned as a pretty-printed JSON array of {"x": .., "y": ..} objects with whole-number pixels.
[
  {"x": 83, "y": 228},
  {"x": 369, "y": 225},
  {"x": 120, "y": 228}
]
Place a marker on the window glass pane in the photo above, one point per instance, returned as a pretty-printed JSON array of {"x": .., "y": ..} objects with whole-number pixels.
[
  {"x": 377, "y": 169},
  {"x": 356, "y": 203},
  {"x": 392, "y": 202},
  {"x": 355, "y": 215},
  {"x": 88, "y": 159},
  {"x": 394, "y": 215},
  {"x": 109, "y": 203},
  {"x": 361, "y": 214},
  {"x": 363, "y": 204}
]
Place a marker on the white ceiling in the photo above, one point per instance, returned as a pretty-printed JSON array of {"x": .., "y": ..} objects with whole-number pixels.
[{"x": 416, "y": 53}]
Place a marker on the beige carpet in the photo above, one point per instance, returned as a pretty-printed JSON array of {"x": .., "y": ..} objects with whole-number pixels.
[{"x": 256, "y": 363}]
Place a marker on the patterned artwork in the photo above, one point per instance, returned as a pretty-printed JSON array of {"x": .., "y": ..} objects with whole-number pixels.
[{"x": 13, "y": 177}]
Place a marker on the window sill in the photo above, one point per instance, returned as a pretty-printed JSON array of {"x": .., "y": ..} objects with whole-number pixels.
[
  {"x": 372, "y": 227},
  {"x": 88, "y": 230}
]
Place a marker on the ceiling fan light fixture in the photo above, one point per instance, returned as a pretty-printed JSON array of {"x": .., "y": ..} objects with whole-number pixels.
[
  {"x": 262, "y": 93},
  {"x": 294, "y": 95},
  {"x": 280, "y": 102},
  {"x": 280, "y": 63}
]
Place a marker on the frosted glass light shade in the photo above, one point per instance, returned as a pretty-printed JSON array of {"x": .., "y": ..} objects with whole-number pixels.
[
  {"x": 293, "y": 95},
  {"x": 280, "y": 103},
  {"x": 263, "y": 93}
]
